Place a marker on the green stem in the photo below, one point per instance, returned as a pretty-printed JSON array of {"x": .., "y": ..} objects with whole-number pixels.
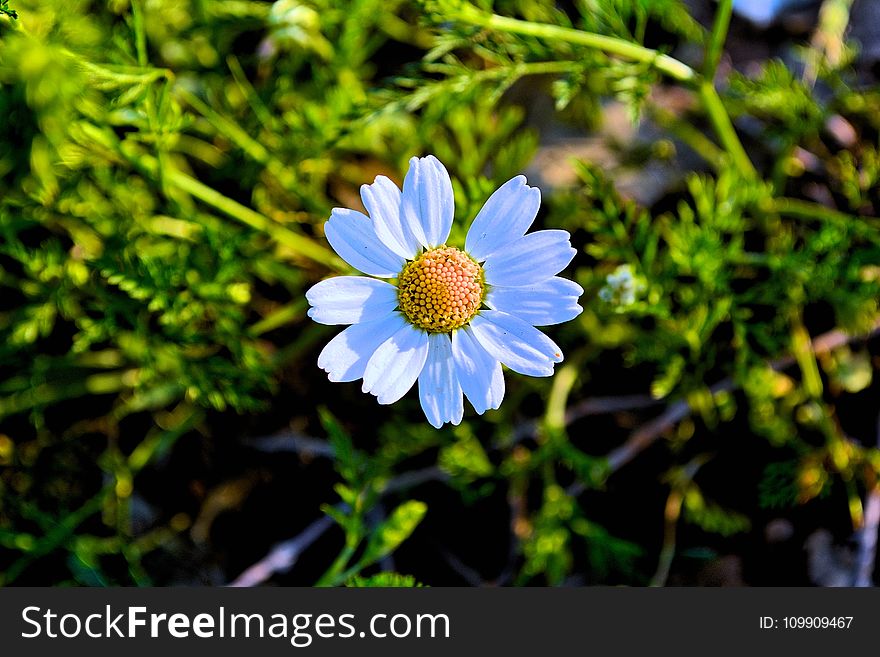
[
  {"x": 56, "y": 536},
  {"x": 717, "y": 38},
  {"x": 711, "y": 102},
  {"x": 557, "y": 403},
  {"x": 48, "y": 393},
  {"x": 544, "y": 68},
  {"x": 332, "y": 576},
  {"x": 802, "y": 348},
  {"x": 670, "y": 526},
  {"x": 251, "y": 147},
  {"x": 799, "y": 209},
  {"x": 284, "y": 315},
  {"x": 724, "y": 129},
  {"x": 229, "y": 129},
  {"x": 122, "y": 74},
  {"x": 689, "y": 134},
  {"x": 301, "y": 244},
  {"x": 612, "y": 45},
  {"x": 263, "y": 113},
  {"x": 140, "y": 33}
]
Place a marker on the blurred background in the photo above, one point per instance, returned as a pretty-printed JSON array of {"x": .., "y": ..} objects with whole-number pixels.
[{"x": 166, "y": 167}]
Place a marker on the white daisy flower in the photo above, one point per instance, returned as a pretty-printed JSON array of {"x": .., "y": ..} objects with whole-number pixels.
[{"x": 445, "y": 317}]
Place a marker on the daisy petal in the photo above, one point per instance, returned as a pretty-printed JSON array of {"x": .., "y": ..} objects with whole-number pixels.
[
  {"x": 505, "y": 217},
  {"x": 479, "y": 373},
  {"x": 382, "y": 201},
  {"x": 550, "y": 302},
  {"x": 350, "y": 299},
  {"x": 345, "y": 357},
  {"x": 530, "y": 259},
  {"x": 352, "y": 236},
  {"x": 427, "y": 205},
  {"x": 519, "y": 345},
  {"x": 396, "y": 364},
  {"x": 439, "y": 390}
]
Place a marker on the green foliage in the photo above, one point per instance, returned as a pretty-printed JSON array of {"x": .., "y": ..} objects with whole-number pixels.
[
  {"x": 392, "y": 532},
  {"x": 360, "y": 493},
  {"x": 383, "y": 580},
  {"x": 787, "y": 105},
  {"x": 165, "y": 172}
]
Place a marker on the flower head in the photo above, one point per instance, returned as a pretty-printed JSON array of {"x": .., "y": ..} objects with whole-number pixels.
[
  {"x": 445, "y": 317},
  {"x": 622, "y": 287}
]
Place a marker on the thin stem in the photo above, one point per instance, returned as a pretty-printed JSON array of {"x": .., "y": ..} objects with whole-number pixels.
[
  {"x": 332, "y": 576},
  {"x": 123, "y": 74},
  {"x": 140, "y": 33},
  {"x": 802, "y": 350},
  {"x": 257, "y": 105},
  {"x": 299, "y": 243},
  {"x": 800, "y": 209},
  {"x": 717, "y": 38},
  {"x": 723, "y": 127},
  {"x": 284, "y": 315},
  {"x": 612, "y": 45},
  {"x": 665, "y": 64},
  {"x": 671, "y": 515},
  {"x": 229, "y": 129},
  {"x": 251, "y": 147},
  {"x": 47, "y": 393},
  {"x": 554, "y": 418},
  {"x": 690, "y": 135}
]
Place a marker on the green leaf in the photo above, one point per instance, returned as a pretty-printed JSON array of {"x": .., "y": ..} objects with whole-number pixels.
[
  {"x": 465, "y": 459},
  {"x": 338, "y": 516},
  {"x": 346, "y": 494},
  {"x": 394, "y": 531}
]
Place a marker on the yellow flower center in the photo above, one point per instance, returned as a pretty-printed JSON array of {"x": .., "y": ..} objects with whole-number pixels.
[{"x": 441, "y": 290}]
